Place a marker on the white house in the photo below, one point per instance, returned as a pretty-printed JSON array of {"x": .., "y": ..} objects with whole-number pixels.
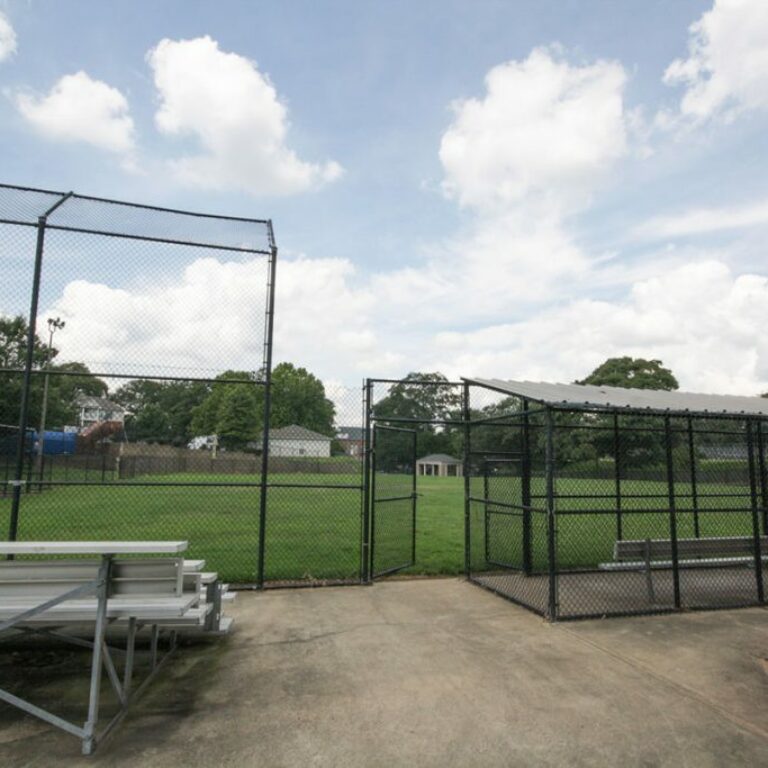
[
  {"x": 298, "y": 441},
  {"x": 93, "y": 410}
]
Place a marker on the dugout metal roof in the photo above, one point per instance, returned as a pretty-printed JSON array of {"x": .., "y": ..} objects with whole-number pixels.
[{"x": 620, "y": 398}]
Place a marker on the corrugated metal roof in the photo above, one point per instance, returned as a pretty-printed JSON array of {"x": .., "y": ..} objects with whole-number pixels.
[{"x": 581, "y": 395}]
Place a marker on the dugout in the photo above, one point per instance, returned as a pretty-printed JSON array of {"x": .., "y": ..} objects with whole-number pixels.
[{"x": 586, "y": 501}]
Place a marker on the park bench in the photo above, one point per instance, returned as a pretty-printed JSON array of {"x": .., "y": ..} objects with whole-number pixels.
[
  {"x": 647, "y": 555},
  {"x": 77, "y": 600}
]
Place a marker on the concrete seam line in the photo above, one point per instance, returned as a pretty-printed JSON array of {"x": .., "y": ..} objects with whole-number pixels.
[{"x": 680, "y": 688}]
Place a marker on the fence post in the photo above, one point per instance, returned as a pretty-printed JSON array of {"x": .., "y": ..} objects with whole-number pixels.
[
  {"x": 525, "y": 492},
  {"x": 617, "y": 475},
  {"x": 755, "y": 514},
  {"x": 28, "y": 364},
  {"x": 267, "y": 371},
  {"x": 466, "y": 469},
  {"x": 549, "y": 462},
  {"x": 694, "y": 484},
  {"x": 672, "y": 510},
  {"x": 365, "y": 554},
  {"x": 763, "y": 475}
]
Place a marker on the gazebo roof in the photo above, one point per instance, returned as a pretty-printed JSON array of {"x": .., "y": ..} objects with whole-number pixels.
[{"x": 438, "y": 458}]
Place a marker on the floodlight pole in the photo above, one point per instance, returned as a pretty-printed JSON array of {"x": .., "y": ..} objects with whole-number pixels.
[{"x": 54, "y": 324}]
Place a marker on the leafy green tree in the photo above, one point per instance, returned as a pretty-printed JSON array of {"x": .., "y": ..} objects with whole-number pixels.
[
  {"x": 420, "y": 404},
  {"x": 205, "y": 415},
  {"x": 62, "y": 389},
  {"x": 638, "y": 447},
  {"x": 238, "y": 419},
  {"x": 161, "y": 411},
  {"x": 298, "y": 397},
  {"x": 632, "y": 373}
]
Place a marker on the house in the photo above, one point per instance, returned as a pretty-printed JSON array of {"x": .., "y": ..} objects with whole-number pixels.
[
  {"x": 298, "y": 441},
  {"x": 94, "y": 410},
  {"x": 351, "y": 439},
  {"x": 439, "y": 465}
]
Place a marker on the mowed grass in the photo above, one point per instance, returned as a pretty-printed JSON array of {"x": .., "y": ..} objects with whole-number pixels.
[{"x": 316, "y": 532}]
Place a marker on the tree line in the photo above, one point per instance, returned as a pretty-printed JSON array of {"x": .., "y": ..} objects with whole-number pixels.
[{"x": 169, "y": 412}]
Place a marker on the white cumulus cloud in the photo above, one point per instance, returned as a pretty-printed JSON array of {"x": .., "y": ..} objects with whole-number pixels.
[
  {"x": 210, "y": 318},
  {"x": 81, "y": 109},
  {"x": 544, "y": 128},
  {"x": 234, "y": 112},
  {"x": 726, "y": 71},
  {"x": 701, "y": 319},
  {"x": 7, "y": 38}
]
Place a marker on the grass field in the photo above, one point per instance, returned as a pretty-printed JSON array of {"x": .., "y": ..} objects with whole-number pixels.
[{"x": 315, "y": 533}]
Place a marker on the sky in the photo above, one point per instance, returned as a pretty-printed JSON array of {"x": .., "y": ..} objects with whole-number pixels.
[{"x": 515, "y": 189}]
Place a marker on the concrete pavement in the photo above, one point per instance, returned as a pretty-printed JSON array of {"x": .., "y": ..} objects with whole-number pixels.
[{"x": 432, "y": 673}]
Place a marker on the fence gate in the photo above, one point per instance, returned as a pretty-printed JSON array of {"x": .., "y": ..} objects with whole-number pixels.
[
  {"x": 393, "y": 494},
  {"x": 507, "y": 511}
]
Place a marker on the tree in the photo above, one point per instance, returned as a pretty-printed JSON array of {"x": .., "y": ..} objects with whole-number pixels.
[
  {"x": 239, "y": 417},
  {"x": 298, "y": 397},
  {"x": 637, "y": 446},
  {"x": 161, "y": 411},
  {"x": 233, "y": 410},
  {"x": 632, "y": 373},
  {"x": 420, "y": 404},
  {"x": 62, "y": 389}
]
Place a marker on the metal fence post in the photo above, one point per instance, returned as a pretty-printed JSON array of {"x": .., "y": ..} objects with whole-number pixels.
[
  {"x": 672, "y": 510},
  {"x": 29, "y": 362},
  {"x": 551, "y": 528},
  {"x": 617, "y": 473},
  {"x": 694, "y": 487},
  {"x": 763, "y": 475},
  {"x": 465, "y": 414},
  {"x": 755, "y": 513},
  {"x": 270, "y": 316},
  {"x": 366, "y": 543},
  {"x": 525, "y": 492}
]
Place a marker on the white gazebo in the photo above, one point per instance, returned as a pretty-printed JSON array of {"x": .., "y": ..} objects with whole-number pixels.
[{"x": 439, "y": 465}]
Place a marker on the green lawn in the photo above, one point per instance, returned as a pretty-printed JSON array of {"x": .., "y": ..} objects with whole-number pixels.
[{"x": 315, "y": 533}]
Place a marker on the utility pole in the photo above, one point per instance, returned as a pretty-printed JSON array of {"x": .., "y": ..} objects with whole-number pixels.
[{"x": 54, "y": 324}]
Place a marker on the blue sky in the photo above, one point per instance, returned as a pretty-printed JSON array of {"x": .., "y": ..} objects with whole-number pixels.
[{"x": 597, "y": 199}]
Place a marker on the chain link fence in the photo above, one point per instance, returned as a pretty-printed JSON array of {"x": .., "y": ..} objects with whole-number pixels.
[
  {"x": 109, "y": 425},
  {"x": 578, "y": 513}
]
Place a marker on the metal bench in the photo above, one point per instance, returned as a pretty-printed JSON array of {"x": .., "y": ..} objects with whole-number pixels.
[
  {"x": 648, "y": 555},
  {"x": 49, "y": 597}
]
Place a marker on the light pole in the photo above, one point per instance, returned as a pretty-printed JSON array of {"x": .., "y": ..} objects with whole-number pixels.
[{"x": 54, "y": 324}]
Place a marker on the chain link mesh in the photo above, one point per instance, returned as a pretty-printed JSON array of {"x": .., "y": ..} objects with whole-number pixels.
[{"x": 649, "y": 513}]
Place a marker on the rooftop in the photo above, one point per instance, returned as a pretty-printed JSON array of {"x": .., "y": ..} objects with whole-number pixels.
[
  {"x": 295, "y": 432},
  {"x": 439, "y": 458},
  {"x": 620, "y": 398}
]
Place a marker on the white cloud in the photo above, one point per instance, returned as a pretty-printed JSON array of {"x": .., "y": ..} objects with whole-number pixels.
[
  {"x": 79, "y": 108},
  {"x": 234, "y": 112},
  {"x": 7, "y": 38},
  {"x": 522, "y": 158},
  {"x": 726, "y": 71},
  {"x": 702, "y": 320},
  {"x": 703, "y": 221},
  {"x": 210, "y": 319},
  {"x": 544, "y": 128}
]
